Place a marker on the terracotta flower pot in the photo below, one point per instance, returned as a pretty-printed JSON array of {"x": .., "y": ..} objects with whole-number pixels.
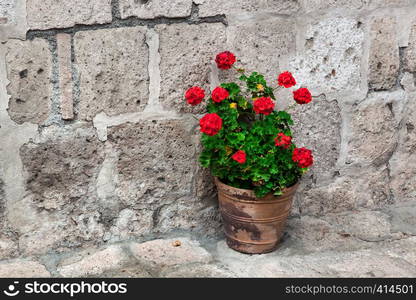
[{"x": 253, "y": 225}]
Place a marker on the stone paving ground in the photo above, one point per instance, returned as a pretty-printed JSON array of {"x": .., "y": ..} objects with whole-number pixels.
[{"x": 355, "y": 244}]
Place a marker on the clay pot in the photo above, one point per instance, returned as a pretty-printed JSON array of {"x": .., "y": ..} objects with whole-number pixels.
[{"x": 253, "y": 225}]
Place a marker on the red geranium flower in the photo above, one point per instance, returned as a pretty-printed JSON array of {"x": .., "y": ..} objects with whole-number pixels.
[
  {"x": 194, "y": 95},
  {"x": 219, "y": 94},
  {"x": 225, "y": 60},
  {"x": 283, "y": 140},
  {"x": 286, "y": 79},
  {"x": 210, "y": 124},
  {"x": 302, "y": 96},
  {"x": 263, "y": 105},
  {"x": 303, "y": 157},
  {"x": 239, "y": 156}
]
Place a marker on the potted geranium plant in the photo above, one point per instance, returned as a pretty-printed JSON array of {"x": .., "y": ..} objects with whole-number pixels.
[{"x": 248, "y": 147}]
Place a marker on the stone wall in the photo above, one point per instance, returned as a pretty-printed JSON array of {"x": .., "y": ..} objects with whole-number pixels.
[{"x": 98, "y": 146}]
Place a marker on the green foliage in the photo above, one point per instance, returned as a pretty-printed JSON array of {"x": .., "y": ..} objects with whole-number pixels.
[{"x": 268, "y": 168}]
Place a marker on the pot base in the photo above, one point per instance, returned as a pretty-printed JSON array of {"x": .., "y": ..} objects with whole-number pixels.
[{"x": 253, "y": 225}]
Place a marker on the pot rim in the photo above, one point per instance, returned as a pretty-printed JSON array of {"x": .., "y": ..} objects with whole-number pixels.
[{"x": 251, "y": 192}]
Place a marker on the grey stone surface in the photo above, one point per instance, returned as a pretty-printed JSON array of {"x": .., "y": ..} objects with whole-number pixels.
[
  {"x": 259, "y": 45},
  {"x": 7, "y": 12},
  {"x": 354, "y": 187},
  {"x": 403, "y": 218},
  {"x": 358, "y": 263},
  {"x": 332, "y": 55},
  {"x": 319, "y": 5},
  {"x": 403, "y": 160},
  {"x": 217, "y": 7},
  {"x": 169, "y": 252},
  {"x": 197, "y": 271},
  {"x": 47, "y": 14},
  {"x": 29, "y": 72},
  {"x": 187, "y": 53},
  {"x": 93, "y": 262},
  {"x": 156, "y": 166},
  {"x": 384, "y": 54},
  {"x": 318, "y": 127},
  {"x": 409, "y": 55},
  {"x": 112, "y": 64},
  {"x": 155, "y": 8},
  {"x": 22, "y": 268},
  {"x": 8, "y": 248},
  {"x": 62, "y": 206},
  {"x": 373, "y": 130},
  {"x": 130, "y": 271}
]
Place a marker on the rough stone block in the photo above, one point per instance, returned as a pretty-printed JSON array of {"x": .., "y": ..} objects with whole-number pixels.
[
  {"x": 259, "y": 45},
  {"x": 217, "y": 7},
  {"x": 403, "y": 218},
  {"x": 320, "y": 5},
  {"x": 93, "y": 262},
  {"x": 63, "y": 41},
  {"x": 403, "y": 161},
  {"x": 317, "y": 127},
  {"x": 187, "y": 54},
  {"x": 409, "y": 57},
  {"x": 197, "y": 271},
  {"x": 156, "y": 166},
  {"x": 332, "y": 56},
  {"x": 61, "y": 174},
  {"x": 373, "y": 131},
  {"x": 384, "y": 58},
  {"x": 23, "y": 269},
  {"x": 8, "y": 248},
  {"x": 113, "y": 71},
  {"x": 354, "y": 188},
  {"x": 46, "y": 14},
  {"x": 7, "y": 12},
  {"x": 29, "y": 68},
  {"x": 155, "y": 8},
  {"x": 170, "y": 252}
]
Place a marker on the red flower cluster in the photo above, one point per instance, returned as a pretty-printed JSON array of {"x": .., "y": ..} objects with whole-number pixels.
[
  {"x": 225, "y": 60},
  {"x": 283, "y": 140},
  {"x": 210, "y": 124},
  {"x": 302, "y": 96},
  {"x": 219, "y": 94},
  {"x": 239, "y": 156},
  {"x": 194, "y": 95},
  {"x": 263, "y": 105},
  {"x": 286, "y": 79},
  {"x": 303, "y": 157}
]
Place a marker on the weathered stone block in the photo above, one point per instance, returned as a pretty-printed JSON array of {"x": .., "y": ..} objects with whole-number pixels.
[
  {"x": 61, "y": 174},
  {"x": 23, "y": 269},
  {"x": 113, "y": 71},
  {"x": 155, "y": 8},
  {"x": 217, "y": 7},
  {"x": 332, "y": 56},
  {"x": 384, "y": 58},
  {"x": 29, "y": 72},
  {"x": 317, "y": 127},
  {"x": 259, "y": 45},
  {"x": 47, "y": 14},
  {"x": 63, "y": 41},
  {"x": 7, "y": 12},
  {"x": 409, "y": 57},
  {"x": 187, "y": 53},
  {"x": 403, "y": 161},
  {"x": 156, "y": 162},
  {"x": 354, "y": 188},
  {"x": 170, "y": 252},
  {"x": 319, "y": 5},
  {"x": 373, "y": 131},
  {"x": 93, "y": 262},
  {"x": 8, "y": 248}
]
